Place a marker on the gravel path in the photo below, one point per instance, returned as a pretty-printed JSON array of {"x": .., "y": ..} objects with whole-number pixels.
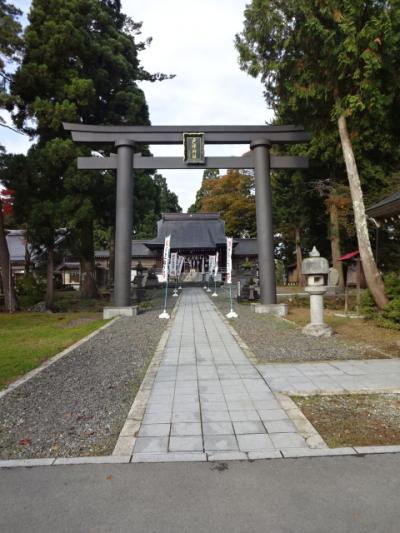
[
  {"x": 273, "y": 339},
  {"x": 78, "y": 405}
]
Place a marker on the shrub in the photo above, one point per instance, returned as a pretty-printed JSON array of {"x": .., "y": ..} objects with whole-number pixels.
[
  {"x": 367, "y": 305},
  {"x": 30, "y": 289},
  {"x": 246, "y": 265},
  {"x": 390, "y": 316},
  {"x": 392, "y": 285}
]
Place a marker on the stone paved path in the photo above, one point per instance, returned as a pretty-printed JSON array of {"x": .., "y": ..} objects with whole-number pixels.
[
  {"x": 209, "y": 401},
  {"x": 378, "y": 375},
  {"x": 208, "y": 398}
]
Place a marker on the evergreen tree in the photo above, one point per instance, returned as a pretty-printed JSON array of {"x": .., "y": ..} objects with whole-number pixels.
[
  {"x": 80, "y": 64},
  {"x": 299, "y": 217},
  {"x": 209, "y": 173},
  {"x": 334, "y": 67},
  {"x": 10, "y": 45}
]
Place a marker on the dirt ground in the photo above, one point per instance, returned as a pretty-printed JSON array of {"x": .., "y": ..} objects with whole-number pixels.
[
  {"x": 354, "y": 329},
  {"x": 354, "y": 419}
]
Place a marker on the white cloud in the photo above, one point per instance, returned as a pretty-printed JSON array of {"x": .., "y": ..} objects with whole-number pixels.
[{"x": 195, "y": 41}]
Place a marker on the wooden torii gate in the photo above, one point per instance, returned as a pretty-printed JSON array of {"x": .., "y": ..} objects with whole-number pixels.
[{"x": 259, "y": 138}]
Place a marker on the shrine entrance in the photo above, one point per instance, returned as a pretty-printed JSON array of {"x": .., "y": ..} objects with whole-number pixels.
[{"x": 260, "y": 139}]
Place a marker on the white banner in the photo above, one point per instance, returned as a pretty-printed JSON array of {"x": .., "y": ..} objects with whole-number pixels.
[
  {"x": 167, "y": 244},
  {"x": 216, "y": 264},
  {"x": 229, "y": 242},
  {"x": 211, "y": 263},
  {"x": 181, "y": 261},
  {"x": 173, "y": 264}
]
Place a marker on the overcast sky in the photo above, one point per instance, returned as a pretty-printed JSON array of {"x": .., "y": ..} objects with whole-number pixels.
[{"x": 194, "y": 41}]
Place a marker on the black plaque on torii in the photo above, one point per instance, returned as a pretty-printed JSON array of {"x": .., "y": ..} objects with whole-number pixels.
[{"x": 260, "y": 139}]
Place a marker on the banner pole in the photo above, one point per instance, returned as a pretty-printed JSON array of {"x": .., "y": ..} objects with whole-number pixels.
[
  {"x": 166, "y": 296},
  {"x": 229, "y": 246},
  {"x": 214, "y": 294}
]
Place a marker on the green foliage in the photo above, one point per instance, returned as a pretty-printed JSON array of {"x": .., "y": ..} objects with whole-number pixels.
[
  {"x": 168, "y": 201},
  {"x": 390, "y": 316},
  {"x": 209, "y": 173},
  {"x": 10, "y": 45},
  {"x": 30, "y": 290},
  {"x": 392, "y": 285},
  {"x": 246, "y": 265},
  {"x": 367, "y": 305}
]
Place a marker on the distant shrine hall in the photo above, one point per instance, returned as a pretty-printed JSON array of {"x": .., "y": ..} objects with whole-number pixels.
[{"x": 195, "y": 237}]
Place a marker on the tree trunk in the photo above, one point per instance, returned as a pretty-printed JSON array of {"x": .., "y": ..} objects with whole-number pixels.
[
  {"x": 299, "y": 257},
  {"x": 10, "y": 298},
  {"x": 335, "y": 241},
  {"x": 88, "y": 269},
  {"x": 27, "y": 260},
  {"x": 111, "y": 260},
  {"x": 50, "y": 279},
  {"x": 373, "y": 278}
]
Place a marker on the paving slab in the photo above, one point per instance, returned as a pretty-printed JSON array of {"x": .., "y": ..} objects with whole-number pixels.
[{"x": 371, "y": 375}]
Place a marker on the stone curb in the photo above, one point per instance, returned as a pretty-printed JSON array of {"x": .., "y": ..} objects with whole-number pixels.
[
  {"x": 301, "y": 422},
  {"x": 53, "y": 360},
  {"x": 284, "y": 453},
  {"x": 319, "y": 392},
  {"x": 127, "y": 437}
]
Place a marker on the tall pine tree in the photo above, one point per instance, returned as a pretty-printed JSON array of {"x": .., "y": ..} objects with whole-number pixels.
[
  {"x": 80, "y": 64},
  {"x": 334, "y": 66}
]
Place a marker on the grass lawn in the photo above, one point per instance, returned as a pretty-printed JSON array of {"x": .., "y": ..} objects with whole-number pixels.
[
  {"x": 354, "y": 419},
  {"x": 354, "y": 329},
  {"x": 28, "y": 339}
]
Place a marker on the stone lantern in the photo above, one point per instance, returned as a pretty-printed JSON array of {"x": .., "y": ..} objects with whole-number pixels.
[{"x": 316, "y": 269}]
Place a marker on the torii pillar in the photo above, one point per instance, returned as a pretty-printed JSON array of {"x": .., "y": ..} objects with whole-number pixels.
[{"x": 265, "y": 233}]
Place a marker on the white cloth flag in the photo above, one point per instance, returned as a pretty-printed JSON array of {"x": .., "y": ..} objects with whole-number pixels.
[
  {"x": 229, "y": 242},
  {"x": 167, "y": 244},
  {"x": 216, "y": 264},
  {"x": 173, "y": 264},
  {"x": 211, "y": 263},
  {"x": 181, "y": 261}
]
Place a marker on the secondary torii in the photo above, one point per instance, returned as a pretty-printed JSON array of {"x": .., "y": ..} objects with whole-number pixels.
[{"x": 194, "y": 138}]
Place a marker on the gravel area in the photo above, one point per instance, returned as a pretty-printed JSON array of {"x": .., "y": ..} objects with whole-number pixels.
[
  {"x": 354, "y": 419},
  {"x": 78, "y": 405},
  {"x": 274, "y": 339}
]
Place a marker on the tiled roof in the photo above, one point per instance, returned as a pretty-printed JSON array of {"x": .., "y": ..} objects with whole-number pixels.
[
  {"x": 190, "y": 231},
  {"x": 388, "y": 207},
  {"x": 139, "y": 249},
  {"x": 246, "y": 247}
]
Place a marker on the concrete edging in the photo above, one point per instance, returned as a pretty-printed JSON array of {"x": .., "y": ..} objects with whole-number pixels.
[
  {"x": 127, "y": 437},
  {"x": 52, "y": 360},
  {"x": 284, "y": 453}
]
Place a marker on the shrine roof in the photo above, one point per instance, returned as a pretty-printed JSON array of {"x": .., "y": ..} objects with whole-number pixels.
[
  {"x": 386, "y": 208},
  {"x": 200, "y": 231}
]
